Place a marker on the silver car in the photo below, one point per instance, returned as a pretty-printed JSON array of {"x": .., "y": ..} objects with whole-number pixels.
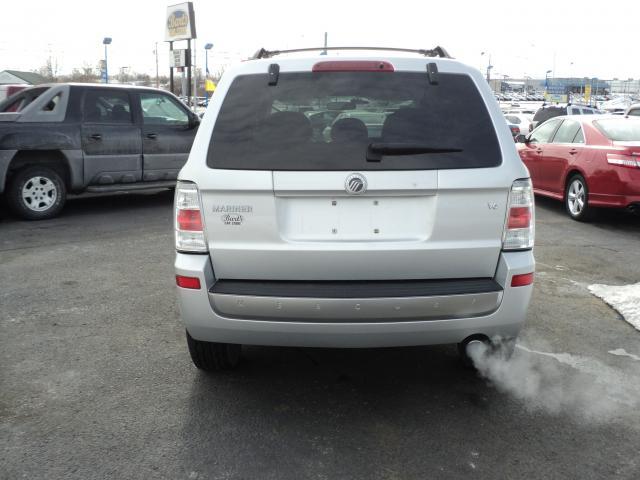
[{"x": 420, "y": 233}]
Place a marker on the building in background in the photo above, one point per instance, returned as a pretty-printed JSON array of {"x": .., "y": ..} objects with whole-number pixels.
[{"x": 16, "y": 77}]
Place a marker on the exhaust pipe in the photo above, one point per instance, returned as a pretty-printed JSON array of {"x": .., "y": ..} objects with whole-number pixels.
[
  {"x": 475, "y": 347},
  {"x": 472, "y": 346}
]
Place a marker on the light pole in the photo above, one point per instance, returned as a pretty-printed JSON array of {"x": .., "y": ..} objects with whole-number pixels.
[
  {"x": 155, "y": 52},
  {"x": 207, "y": 47},
  {"x": 489, "y": 67},
  {"x": 546, "y": 83},
  {"x": 106, "y": 41}
]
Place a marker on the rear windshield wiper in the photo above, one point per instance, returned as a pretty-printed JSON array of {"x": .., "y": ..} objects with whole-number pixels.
[{"x": 375, "y": 151}]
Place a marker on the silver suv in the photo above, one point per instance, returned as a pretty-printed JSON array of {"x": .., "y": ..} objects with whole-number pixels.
[{"x": 415, "y": 233}]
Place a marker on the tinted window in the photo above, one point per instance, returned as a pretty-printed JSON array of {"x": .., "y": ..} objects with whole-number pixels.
[
  {"x": 291, "y": 125},
  {"x": 635, "y": 112},
  {"x": 620, "y": 129},
  {"x": 543, "y": 133},
  {"x": 567, "y": 132},
  {"x": 575, "y": 111},
  {"x": 545, "y": 114},
  {"x": 106, "y": 106},
  {"x": 18, "y": 102},
  {"x": 52, "y": 104},
  {"x": 513, "y": 119},
  {"x": 579, "y": 138},
  {"x": 160, "y": 109}
]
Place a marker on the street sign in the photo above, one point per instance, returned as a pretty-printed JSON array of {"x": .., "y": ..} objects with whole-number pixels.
[
  {"x": 556, "y": 98},
  {"x": 179, "y": 58}
]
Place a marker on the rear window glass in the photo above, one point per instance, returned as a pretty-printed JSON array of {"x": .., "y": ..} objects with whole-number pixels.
[
  {"x": 545, "y": 114},
  {"x": 326, "y": 121},
  {"x": 620, "y": 129},
  {"x": 19, "y": 101}
]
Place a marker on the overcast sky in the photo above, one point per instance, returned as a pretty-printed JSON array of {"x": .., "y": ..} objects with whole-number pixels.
[{"x": 522, "y": 39}]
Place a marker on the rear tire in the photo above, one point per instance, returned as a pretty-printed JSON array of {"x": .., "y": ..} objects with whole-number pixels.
[
  {"x": 213, "y": 357},
  {"x": 576, "y": 199},
  {"x": 36, "y": 193}
]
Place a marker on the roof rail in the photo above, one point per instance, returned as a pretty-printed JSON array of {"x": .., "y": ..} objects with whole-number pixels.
[{"x": 434, "y": 52}]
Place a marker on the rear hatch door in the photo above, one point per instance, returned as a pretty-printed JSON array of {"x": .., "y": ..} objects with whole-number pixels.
[{"x": 292, "y": 199}]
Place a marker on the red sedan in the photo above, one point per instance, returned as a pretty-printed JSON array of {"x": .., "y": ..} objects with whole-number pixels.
[{"x": 586, "y": 161}]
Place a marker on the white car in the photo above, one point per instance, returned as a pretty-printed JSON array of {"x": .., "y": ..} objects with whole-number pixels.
[
  {"x": 633, "y": 110},
  {"x": 523, "y": 111},
  {"x": 521, "y": 120},
  {"x": 418, "y": 233}
]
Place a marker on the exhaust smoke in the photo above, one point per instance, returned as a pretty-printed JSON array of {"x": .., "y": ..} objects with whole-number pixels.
[{"x": 591, "y": 390}]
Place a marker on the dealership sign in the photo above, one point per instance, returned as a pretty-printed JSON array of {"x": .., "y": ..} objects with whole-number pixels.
[
  {"x": 181, "y": 22},
  {"x": 179, "y": 58}
]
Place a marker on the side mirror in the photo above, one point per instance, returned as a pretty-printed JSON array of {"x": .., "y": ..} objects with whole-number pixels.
[
  {"x": 194, "y": 120},
  {"x": 522, "y": 139}
]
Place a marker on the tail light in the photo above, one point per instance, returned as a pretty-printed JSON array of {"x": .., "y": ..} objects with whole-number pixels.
[
  {"x": 630, "y": 161},
  {"x": 514, "y": 130},
  {"x": 189, "y": 225},
  {"x": 519, "y": 227}
]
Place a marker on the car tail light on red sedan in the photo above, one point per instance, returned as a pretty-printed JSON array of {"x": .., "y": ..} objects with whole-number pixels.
[{"x": 629, "y": 161}]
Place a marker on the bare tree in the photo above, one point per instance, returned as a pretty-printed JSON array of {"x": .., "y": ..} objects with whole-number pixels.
[
  {"x": 50, "y": 69},
  {"x": 216, "y": 76},
  {"x": 143, "y": 79},
  {"x": 84, "y": 74}
]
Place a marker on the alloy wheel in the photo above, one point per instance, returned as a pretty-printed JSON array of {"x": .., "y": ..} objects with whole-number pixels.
[{"x": 576, "y": 197}]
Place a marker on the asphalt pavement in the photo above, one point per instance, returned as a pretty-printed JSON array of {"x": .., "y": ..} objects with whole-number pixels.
[{"x": 96, "y": 381}]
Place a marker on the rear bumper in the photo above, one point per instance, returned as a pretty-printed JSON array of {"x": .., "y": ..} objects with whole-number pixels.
[
  {"x": 362, "y": 302},
  {"x": 352, "y": 322}
]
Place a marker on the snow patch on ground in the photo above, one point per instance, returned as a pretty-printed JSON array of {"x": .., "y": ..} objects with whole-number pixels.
[
  {"x": 621, "y": 352},
  {"x": 624, "y": 298}
]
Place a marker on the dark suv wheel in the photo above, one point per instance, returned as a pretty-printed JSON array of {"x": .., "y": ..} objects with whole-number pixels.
[{"x": 36, "y": 193}]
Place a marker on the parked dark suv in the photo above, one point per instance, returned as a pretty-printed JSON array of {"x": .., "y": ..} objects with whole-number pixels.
[
  {"x": 551, "y": 111},
  {"x": 64, "y": 138}
]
